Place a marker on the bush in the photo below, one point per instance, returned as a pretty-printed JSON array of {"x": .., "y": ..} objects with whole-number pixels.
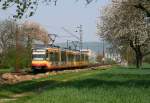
[
  {"x": 10, "y": 58},
  {"x": 109, "y": 61},
  {"x": 99, "y": 58},
  {"x": 147, "y": 59}
]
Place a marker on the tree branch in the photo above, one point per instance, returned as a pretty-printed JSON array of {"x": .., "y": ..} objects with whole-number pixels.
[
  {"x": 140, "y": 6},
  {"x": 131, "y": 44}
]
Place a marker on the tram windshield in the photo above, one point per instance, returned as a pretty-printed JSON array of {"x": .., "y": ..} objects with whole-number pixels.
[{"x": 38, "y": 56}]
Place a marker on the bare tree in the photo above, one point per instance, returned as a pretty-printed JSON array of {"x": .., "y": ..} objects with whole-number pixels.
[
  {"x": 7, "y": 37},
  {"x": 123, "y": 25},
  {"x": 33, "y": 31},
  {"x": 7, "y": 40},
  {"x": 7, "y": 34}
]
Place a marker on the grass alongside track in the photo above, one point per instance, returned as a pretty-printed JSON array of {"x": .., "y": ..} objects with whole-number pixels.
[
  {"x": 116, "y": 85},
  {"x": 5, "y": 70}
]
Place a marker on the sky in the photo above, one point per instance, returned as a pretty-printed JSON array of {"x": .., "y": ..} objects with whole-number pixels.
[{"x": 67, "y": 14}]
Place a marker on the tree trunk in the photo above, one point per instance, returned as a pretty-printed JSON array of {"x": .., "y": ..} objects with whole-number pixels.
[
  {"x": 29, "y": 50},
  {"x": 139, "y": 58},
  {"x": 137, "y": 61}
]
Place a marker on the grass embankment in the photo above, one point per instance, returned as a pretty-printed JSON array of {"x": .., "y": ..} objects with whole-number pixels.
[
  {"x": 5, "y": 70},
  {"x": 144, "y": 66},
  {"x": 117, "y": 85}
]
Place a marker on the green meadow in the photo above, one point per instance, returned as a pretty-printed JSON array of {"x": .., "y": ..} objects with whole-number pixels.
[{"x": 114, "y": 85}]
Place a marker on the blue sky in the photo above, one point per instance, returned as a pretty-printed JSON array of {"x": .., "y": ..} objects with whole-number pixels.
[{"x": 68, "y": 14}]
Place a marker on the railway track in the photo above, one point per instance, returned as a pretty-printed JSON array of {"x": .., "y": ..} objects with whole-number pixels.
[
  {"x": 91, "y": 66},
  {"x": 11, "y": 78}
]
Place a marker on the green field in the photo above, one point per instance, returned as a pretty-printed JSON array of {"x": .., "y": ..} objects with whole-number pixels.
[
  {"x": 115, "y": 85},
  {"x": 5, "y": 70}
]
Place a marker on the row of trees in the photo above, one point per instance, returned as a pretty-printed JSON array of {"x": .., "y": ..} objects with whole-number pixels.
[
  {"x": 124, "y": 26},
  {"x": 16, "y": 42}
]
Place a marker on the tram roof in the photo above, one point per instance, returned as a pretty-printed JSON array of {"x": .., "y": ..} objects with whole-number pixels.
[{"x": 57, "y": 48}]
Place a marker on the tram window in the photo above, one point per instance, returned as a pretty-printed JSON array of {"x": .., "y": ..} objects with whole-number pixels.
[
  {"x": 51, "y": 56},
  {"x": 82, "y": 57},
  {"x": 77, "y": 57},
  {"x": 46, "y": 54},
  {"x": 73, "y": 57},
  {"x": 70, "y": 57},
  {"x": 38, "y": 56},
  {"x": 54, "y": 56},
  {"x": 63, "y": 56},
  {"x": 86, "y": 58}
]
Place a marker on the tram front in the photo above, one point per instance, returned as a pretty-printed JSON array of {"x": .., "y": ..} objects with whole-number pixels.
[{"x": 39, "y": 59}]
